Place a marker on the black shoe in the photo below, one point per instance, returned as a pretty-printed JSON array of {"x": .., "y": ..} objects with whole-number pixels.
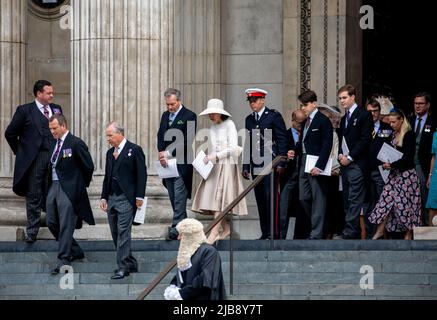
[
  {"x": 264, "y": 237},
  {"x": 120, "y": 274},
  {"x": 55, "y": 271},
  {"x": 172, "y": 235},
  {"x": 133, "y": 270},
  {"x": 78, "y": 257},
  {"x": 29, "y": 239}
]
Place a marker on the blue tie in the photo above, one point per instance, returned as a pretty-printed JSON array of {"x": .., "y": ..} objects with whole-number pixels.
[
  {"x": 170, "y": 119},
  {"x": 348, "y": 117}
]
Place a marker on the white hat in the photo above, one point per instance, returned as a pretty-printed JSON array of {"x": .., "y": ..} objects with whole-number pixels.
[
  {"x": 256, "y": 92},
  {"x": 215, "y": 106}
]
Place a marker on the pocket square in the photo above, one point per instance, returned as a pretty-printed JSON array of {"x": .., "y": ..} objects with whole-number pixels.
[{"x": 315, "y": 130}]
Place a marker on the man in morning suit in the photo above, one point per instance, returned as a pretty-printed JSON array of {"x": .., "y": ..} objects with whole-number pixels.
[
  {"x": 70, "y": 173},
  {"x": 355, "y": 130},
  {"x": 316, "y": 141},
  {"x": 175, "y": 138},
  {"x": 381, "y": 134},
  {"x": 123, "y": 191},
  {"x": 424, "y": 126},
  {"x": 29, "y": 137},
  {"x": 266, "y": 138}
]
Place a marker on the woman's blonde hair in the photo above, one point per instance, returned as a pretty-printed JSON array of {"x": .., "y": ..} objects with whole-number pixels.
[{"x": 405, "y": 125}]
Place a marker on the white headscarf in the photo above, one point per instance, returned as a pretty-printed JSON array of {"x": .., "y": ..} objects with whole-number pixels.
[{"x": 193, "y": 236}]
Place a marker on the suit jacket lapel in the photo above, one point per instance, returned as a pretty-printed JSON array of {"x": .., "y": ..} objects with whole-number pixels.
[
  {"x": 122, "y": 156},
  {"x": 35, "y": 115},
  {"x": 65, "y": 145},
  {"x": 178, "y": 116}
]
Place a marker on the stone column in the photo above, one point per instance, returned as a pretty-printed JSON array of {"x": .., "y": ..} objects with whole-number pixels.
[
  {"x": 12, "y": 94},
  {"x": 322, "y": 47},
  {"x": 197, "y": 67},
  {"x": 122, "y": 62},
  {"x": 197, "y": 53},
  {"x": 121, "y": 65},
  {"x": 12, "y": 72}
]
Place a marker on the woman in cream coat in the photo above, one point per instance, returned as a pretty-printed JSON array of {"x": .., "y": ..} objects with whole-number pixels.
[{"x": 224, "y": 183}]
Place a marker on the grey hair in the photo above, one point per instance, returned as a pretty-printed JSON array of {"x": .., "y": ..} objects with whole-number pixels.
[
  {"x": 118, "y": 128},
  {"x": 171, "y": 91}
]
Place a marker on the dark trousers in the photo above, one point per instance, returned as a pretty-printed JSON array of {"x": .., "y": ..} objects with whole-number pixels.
[
  {"x": 334, "y": 219},
  {"x": 61, "y": 220},
  {"x": 36, "y": 192},
  {"x": 120, "y": 218},
  {"x": 375, "y": 189},
  {"x": 312, "y": 196},
  {"x": 263, "y": 201},
  {"x": 354, "y": 193},
  {"x": 288, "y": 195},
  {"x": 178, "y": 197}
]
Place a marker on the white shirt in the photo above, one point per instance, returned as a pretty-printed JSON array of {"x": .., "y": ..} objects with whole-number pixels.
[
  {"x": 120, "y": 146},
  {"x": 377, "y": 124},
  {"x": 54, "y": 175},
  {"x": 41, "y": 108},
  {"x": 260, "y": 113},
  {"x": 422, "y": 123}
]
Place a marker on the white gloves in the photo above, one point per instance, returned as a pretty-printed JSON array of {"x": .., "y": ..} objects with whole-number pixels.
[{"x": 172, "y": 293}]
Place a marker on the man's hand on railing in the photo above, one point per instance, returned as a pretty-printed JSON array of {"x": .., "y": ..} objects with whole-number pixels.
[{"x": 246, "y": 174}]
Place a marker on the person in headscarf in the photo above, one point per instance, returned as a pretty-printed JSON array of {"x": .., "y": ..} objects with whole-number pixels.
[{"x": 199, "y": 273}]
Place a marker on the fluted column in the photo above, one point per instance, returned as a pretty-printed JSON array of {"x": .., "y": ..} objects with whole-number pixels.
[
  {"x": 197, "y": 53},
  {"x": 121, "y": 65},
  {"x": 12, "y": 73}
]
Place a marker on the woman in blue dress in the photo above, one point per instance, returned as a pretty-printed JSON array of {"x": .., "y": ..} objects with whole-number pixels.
[{"x": 431, "y": 204}]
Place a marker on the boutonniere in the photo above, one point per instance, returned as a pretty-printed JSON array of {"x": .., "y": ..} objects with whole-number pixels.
[
  {"x": 56, "y": 111},
  {"x": 180, "y": 122},
  {"x": 355, "y": 122},
  {"x": 427, "y": 128},
  {"x": 67, "y": 153},
  {"x": 129, "y": 153}
]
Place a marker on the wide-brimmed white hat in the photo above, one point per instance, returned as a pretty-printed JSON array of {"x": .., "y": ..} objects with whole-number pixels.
[{"x": 215, "y": 106}]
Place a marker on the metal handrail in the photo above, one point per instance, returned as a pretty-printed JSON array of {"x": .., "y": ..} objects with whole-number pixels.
[{"x": 217, "y": 220}]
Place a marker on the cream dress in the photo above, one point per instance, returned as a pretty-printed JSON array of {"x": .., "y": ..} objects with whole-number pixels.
[{"x": 224, "y": 183}]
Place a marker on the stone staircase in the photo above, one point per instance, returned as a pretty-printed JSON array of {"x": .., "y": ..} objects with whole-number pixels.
[{"x": 293, "y": 270}]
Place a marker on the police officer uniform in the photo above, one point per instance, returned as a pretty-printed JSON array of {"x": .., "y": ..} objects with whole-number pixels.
[{"x": 266, "y": 139}]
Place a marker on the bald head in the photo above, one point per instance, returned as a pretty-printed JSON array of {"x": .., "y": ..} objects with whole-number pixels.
[{"x": 297, "y": 118}]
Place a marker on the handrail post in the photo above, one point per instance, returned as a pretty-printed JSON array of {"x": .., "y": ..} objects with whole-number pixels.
[
  {"x": 272, "y": 207},
  {"x": 231, "y": 258}
]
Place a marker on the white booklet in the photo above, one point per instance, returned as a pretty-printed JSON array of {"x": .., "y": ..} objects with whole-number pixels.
[
  {"x": 203, "y": 169},
  {"x": 171, "y": 171},
  {"x": 140, "y": 216},
  {"x": 311, "y": 163},
  {"x": 389, "y": 154}
]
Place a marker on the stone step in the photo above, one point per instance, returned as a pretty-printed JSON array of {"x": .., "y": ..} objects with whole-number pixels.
[
  {"x": 239, "y": 278},
  {"x": 238, "y": 256},
  {"x": 265, "y": 291}
]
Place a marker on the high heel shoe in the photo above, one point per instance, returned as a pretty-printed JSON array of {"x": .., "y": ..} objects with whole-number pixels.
[
  {"x": 213, "y": 237},
  {"x": 381, "y": 237},
  {"x": 225, "y": 234}
]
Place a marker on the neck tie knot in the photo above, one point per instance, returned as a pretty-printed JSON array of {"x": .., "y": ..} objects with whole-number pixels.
[{"x": 46, "y": 111}]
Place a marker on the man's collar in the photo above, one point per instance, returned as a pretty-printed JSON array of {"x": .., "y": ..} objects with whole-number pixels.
[
  {"x": 39, "y": 104},
  {"x": 121, "y": 145},
  {"x": 260, "y": 113},
  {"x": 313, "y": 114},
  {"x": 65, "y": 136}
]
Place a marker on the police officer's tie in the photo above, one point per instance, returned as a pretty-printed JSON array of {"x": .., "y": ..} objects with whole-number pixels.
[{"x": 257, "y": 117}]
